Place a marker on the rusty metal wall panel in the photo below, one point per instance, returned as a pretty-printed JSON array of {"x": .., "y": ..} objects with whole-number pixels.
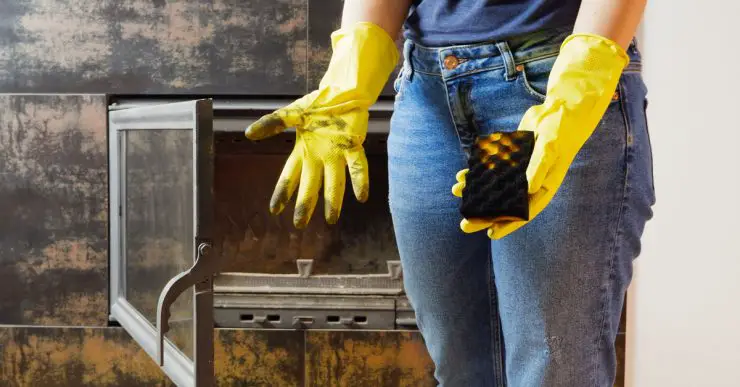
[
  {"x": 259, "y": 358},
  {"x": 53, "y": 197},
  {"x": 144, "y": 46},
  {"x": 325, "y": 17},
  {"x": 367, "y": 359},
  {"x": 108, "y": 357},
  {"x": 74, "y": 357}
]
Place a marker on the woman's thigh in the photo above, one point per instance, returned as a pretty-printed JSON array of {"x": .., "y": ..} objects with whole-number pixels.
[
  {"x": 447, "y": 273},
  {"x": 562, "y": 278}
]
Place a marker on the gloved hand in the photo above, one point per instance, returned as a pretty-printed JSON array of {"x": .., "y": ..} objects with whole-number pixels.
[
  {"x": 331, "y": 124},
  {"x": 579, "y": 89}
]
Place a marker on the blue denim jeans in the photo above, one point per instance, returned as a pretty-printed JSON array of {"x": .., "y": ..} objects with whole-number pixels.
[{"x": 540, "y": 307}]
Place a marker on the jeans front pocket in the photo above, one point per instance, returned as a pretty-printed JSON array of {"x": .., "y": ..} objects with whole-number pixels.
[{"x": 533, "y": 76}]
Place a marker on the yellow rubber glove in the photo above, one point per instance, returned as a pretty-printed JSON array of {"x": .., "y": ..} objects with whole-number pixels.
[
  {"x": 580, "y": 87},
  {"x": 331, "y": 124}
]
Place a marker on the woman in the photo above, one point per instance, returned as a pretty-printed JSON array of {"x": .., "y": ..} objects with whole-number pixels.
[{"x": 533, "y": 303}]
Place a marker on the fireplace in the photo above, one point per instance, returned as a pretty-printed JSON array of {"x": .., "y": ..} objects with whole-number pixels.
[
  {"x": 345, "y": 276},
  {"x": 194, "y": 246}
]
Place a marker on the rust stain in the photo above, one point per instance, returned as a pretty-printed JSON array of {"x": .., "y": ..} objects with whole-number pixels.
[
  {"x": 72, "y": 309},
  {"x": 74, "y": 254},
  {"x": 56, "y": 44},
  {"x": 343, "y": 358},
  {"x": 292, "y": 24},
  {"x": 53, "y": 190},
  {"x": 74, "y": 357},
  {"x": 258, "y": 358},
  {"x": 108, "y": 357}
]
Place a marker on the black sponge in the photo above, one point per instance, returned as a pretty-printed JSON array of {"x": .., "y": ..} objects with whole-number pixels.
[{"x": 496, "y": 183}]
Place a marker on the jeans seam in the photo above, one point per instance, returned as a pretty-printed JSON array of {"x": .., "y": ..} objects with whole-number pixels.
[
  {"x": 499, "y": 379},
  {"x": 489, "y": 270},
  {"x": 605, "y": 296},
  {"x": 455, "y": 111},
  {"x": 536, "y": 58},
  {"x": 475, "y": 71},
  {"x": 428, "y": 73},
  {"x": 632, "y": 67}
]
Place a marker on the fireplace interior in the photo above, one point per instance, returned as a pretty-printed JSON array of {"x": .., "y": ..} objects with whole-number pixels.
[
  {"x": 270, "y": 274},
  {"x": 344, "y": 276}
]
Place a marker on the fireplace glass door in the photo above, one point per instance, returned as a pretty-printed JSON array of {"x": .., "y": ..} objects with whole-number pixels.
[{"x": 161, "y": 221}]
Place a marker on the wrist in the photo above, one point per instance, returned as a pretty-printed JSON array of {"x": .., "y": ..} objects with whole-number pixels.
[
  {"x": 590, "y": 44},
  {"x": 588, "y": 67}
]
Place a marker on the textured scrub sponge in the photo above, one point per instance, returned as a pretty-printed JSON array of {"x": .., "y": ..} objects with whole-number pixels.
[{"x": 496, "y": 183}]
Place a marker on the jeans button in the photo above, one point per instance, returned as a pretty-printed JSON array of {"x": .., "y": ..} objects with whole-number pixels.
[{"x": 451, "y": 62}]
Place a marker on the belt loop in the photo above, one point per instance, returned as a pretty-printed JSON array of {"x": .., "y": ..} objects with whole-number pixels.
[
  {"x": 508, "y": 59},
  {"x": 408, "y": 67}
]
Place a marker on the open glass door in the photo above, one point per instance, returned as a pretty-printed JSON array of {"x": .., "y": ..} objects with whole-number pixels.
[{"x": 161, "y": 230}]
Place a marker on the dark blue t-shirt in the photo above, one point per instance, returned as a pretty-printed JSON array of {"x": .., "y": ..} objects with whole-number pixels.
[{"x": 446, "y": 22}]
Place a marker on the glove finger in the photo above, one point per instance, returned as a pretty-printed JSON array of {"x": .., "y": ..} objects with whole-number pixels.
[
  {"x": 457, "y": 188},
  {"x": 474, "y": 225},
  {"x": 308, "y": 192},
  {"x": 276, "y": 122},
  {"x": 500, "y": 230},
  {"x": 539, "y": 166},
  {"x": 334, "y": 185},
  {"x": 460, "y": 176},
  {"x": 358, "y": 173},
  {"x": 287, "y": 183}
]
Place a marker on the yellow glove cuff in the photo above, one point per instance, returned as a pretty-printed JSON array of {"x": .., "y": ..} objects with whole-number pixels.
[{"x": 364, "y": 55}]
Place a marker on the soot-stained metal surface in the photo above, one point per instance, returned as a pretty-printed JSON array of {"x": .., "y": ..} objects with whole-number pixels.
[
  {"x": 258, "y": 242},
  {"x": 155, "y": 47},
  {"x": 53, "y": 201}
]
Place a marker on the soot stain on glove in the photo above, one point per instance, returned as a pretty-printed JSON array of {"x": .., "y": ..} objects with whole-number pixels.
[
  {"x": 356, "y": 170},
  {"x": 266, "y": 126},
  {"x": 333, "y": 122},
  {"x": 275, "y": 123},
  {"x": 300, "y": 217},
  {"x": 331, "y": 213},
  {"x": 343, "y": 143},
  {"x": 279, "y": 197}
]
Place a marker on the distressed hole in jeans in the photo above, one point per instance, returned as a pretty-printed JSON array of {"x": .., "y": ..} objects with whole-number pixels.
[{"x": 554, "y": 346}]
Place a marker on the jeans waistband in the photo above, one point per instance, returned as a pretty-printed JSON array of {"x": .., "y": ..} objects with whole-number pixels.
[{"x": 452, "y": 61}]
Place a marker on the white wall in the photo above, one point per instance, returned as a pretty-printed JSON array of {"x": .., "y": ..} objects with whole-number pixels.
[{"x": 684, "y": 305}]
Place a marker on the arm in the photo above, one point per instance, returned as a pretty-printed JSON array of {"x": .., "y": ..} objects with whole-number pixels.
[
  {"x": 387, "y": 14},
  {"x": 616, "y": 20},
  {"x": 331, "y": 122}
]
